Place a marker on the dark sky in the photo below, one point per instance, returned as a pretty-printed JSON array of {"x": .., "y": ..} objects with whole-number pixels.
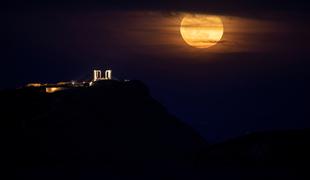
[{"x": 254, "y": 79}]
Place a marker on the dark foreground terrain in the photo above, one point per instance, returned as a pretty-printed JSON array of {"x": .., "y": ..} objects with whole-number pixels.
[{"x": 116, "y": 130}]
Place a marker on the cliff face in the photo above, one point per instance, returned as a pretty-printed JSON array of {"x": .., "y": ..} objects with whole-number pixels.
[{"x": 113, "y": 126}]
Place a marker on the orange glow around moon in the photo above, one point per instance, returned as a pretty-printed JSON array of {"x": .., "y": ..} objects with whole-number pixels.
[{"x": 201, "y": 31}]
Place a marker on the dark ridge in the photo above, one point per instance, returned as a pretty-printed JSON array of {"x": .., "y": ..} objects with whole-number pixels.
[
  {"x": 273, "y": 154},
  {"x": 113, "y": 126}
]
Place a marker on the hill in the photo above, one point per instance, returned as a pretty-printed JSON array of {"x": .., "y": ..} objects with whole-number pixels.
[
  {"x": 261, "y": 155},
  {"x": 114, "y": 127}
]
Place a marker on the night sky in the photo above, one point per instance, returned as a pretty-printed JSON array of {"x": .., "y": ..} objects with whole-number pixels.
[{"x": 254, "y": 79}]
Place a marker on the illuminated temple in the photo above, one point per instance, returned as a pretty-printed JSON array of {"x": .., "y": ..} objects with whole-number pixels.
[{"x": 51, "y": 88}]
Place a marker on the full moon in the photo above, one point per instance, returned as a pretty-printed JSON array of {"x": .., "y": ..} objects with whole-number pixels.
[{"x": 201, "y": 31}]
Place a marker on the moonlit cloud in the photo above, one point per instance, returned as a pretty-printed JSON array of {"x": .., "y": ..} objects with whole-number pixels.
[{"x": 153, "y": 33}]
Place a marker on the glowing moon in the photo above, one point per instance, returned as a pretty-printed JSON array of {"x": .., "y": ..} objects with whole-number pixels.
[{"x": 201, "y": 31}]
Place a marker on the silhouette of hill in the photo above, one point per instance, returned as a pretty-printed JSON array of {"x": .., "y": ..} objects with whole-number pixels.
[
  {"x": 278, "y": 148},
  {"x": 116, "y": 130},
  {"x": 263, "y": 155},
  {"x": 113, "y": 126}
]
